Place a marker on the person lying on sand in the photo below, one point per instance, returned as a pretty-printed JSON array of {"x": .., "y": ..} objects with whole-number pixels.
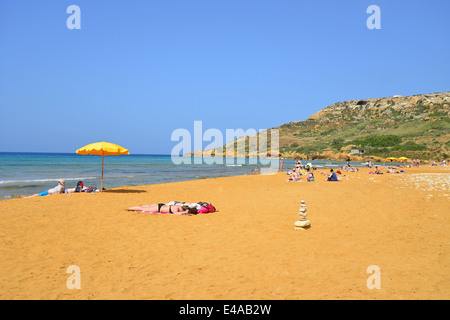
[
  {"x": 164, "y": 208},
  {"x": 56, "y": 190},
  {"x": 176, "y": 207},
  {"x": 395, "y": 171},
  {"x": 350, "y": 169}
]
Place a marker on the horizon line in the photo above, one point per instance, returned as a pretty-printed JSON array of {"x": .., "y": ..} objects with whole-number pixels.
[{"x": 46, "y": 152}]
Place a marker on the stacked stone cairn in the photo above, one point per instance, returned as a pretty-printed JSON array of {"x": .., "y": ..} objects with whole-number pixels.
[{"x": 302, "y": 223}]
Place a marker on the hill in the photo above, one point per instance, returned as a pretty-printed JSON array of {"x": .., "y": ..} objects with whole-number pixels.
[{"x": 415, "y": 126}]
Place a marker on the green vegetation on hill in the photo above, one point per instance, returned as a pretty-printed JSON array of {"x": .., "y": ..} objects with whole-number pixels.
[{"x": 415, "y": 127}]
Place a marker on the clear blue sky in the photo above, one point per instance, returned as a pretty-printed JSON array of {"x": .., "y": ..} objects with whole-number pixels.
[{"x": 137, "y": 70}]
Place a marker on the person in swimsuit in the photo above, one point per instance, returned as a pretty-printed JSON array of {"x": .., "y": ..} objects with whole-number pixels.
[
  {"x": 295, "y": 176},
  {"x": 60, "y": 188},
  {"x": 298, "y": 163},
  {"x": 164, "y": 208}
]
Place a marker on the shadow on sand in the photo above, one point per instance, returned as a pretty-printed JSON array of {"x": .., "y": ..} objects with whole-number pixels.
[{"x": 124, "y": 191}]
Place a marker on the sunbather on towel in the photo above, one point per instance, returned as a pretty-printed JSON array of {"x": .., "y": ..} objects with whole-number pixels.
[{"x": 164, "y": 208}]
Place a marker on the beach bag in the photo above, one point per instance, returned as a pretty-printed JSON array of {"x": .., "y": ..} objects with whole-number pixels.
[
  {"x": 79, "y": 186},
  {"x": 90, "y": 189},
  {"x": 206, "y": 208},
  {"x": 203, "y": 210}
]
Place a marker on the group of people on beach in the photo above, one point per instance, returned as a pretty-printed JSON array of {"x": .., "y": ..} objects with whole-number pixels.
[
  {"x": 299, "y": 170},
  {"x": 332, "y": 175},
  {"x": 415, "y": 162},
  {"x": 184, "y": 208},
  {"x": 308, "y": 171},
  {"x": 349, "y": 168},
  {"x": 443, "y": 163},
  {"x": 173, "y": 207},
  {"x": 61, "y": 188},
  {"x": 295, "y": 175}
]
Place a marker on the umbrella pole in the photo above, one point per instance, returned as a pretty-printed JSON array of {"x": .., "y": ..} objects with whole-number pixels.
[{"x": 101, "y": 188}]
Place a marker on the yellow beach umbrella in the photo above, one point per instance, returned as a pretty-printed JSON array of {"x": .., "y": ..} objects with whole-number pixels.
[
  {"x": 392, "y": 159},
  {"x": 103, "y": 149},
  {"x": 403, "y": 159}
]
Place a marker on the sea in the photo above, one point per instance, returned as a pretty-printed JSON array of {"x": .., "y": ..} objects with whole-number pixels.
[{"x": 30, "y": 173}]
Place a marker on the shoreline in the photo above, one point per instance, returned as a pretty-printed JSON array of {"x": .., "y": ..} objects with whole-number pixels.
[
  {"x": 127, "y": 171},
  {"x": 324, "y": 167}
]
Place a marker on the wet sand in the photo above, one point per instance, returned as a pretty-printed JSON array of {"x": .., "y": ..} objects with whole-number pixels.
[{"x": 246, "y": 250}]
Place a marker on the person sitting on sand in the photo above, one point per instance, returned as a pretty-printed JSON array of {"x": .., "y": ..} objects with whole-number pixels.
[
  {"x": 377, "y": 170},
  {"x": 310, "y": 176},
  {"x": 56, "y": 190},
  {"x": 164, "y": 208},
  {"x": 332, "y": 176},
  {"x": 294, "y": 176}
]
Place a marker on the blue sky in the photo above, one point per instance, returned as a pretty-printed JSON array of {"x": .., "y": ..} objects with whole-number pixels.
[{"x": 138, "y": 70}]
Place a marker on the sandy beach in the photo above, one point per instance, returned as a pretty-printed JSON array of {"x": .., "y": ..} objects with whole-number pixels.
[{"x": 247, "y": 250}]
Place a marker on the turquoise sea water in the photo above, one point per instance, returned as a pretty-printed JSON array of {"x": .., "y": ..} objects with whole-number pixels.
[{"x": 29, "y": 173}]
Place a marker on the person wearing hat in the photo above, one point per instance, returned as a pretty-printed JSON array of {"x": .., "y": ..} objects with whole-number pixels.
[{"x": 60, "y": 188}]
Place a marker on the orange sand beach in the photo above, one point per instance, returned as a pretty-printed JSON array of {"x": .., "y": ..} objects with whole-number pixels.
[{"x": 247, "y": 250}]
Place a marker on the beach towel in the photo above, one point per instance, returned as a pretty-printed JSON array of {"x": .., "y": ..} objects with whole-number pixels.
[{"x": 151, "y": 212}]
